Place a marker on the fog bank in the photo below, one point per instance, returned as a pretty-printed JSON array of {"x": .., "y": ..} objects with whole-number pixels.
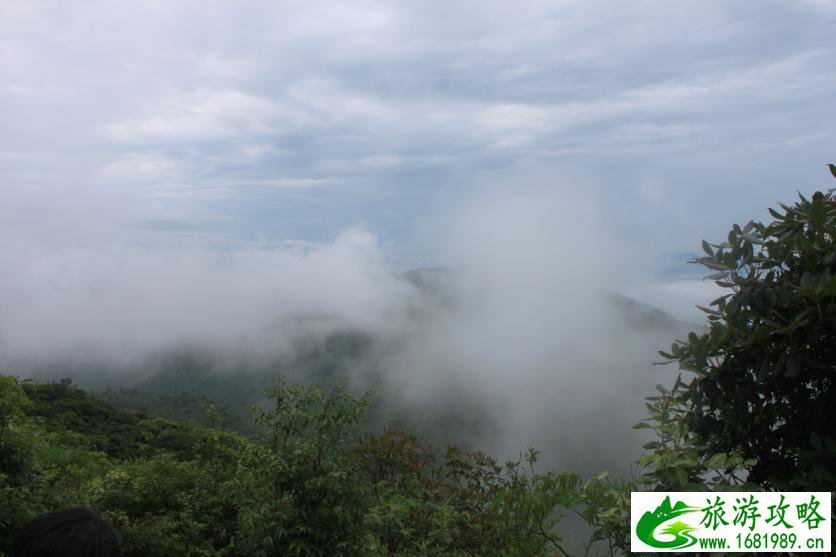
[{"x": 517, "y": 332}]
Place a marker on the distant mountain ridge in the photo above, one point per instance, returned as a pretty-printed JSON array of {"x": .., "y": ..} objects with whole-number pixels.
[{"x": 205, "y": 387}]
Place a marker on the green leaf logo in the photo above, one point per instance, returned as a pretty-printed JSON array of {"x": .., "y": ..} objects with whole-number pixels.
[{"x": 680, "y": 531}]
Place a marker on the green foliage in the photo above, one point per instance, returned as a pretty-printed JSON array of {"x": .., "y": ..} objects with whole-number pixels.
[
  {"x": 604, "y": 504},
  {"x": 465, "y": 505},
  {"x": 762, "y": 377},
  {"x": 15, "y": 439},
  {"x": 297, "y": 492},
  {"x": 164, "y": 506},
  {"x": 158, "y": 481},
  {"x": 181, "y": 406},
  {"x": 311, "y": 486},
  {"x": 676, "y": 460},
  {"x": 17, "y": 443}
]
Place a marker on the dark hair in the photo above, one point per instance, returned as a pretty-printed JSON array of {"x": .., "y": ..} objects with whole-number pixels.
[{"x": 77, "y": 532}]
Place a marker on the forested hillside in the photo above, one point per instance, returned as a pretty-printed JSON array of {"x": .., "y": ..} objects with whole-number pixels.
[{"x": 309, "y": 486}]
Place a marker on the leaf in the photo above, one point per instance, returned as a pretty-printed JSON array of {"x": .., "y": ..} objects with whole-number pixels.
[
  {"x": 707, "y": 248},
  {"x": 641, "y": 425},
  {"x": 717, "y": 461},
  {"x": 832, "y": 169},
  {"x": 717, "y": 266},
  {"x": 818, "y": 211},
  {"x": 682, "y": 476}
]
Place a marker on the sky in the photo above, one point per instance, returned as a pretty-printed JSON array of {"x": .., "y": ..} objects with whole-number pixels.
[{"x": 178, "y": 127}]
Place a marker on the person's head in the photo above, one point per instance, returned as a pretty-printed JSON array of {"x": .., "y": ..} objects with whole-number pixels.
[{"x": 77, "y": 532}]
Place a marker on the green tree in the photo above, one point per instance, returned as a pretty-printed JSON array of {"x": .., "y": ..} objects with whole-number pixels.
[
  {"x": 16, "y": 442},
  {"x": 297, "y": 493},
  {"x": 759, "y": 384}
]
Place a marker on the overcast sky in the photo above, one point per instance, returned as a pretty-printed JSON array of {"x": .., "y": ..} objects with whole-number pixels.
[{"x": 254, "y": 123}]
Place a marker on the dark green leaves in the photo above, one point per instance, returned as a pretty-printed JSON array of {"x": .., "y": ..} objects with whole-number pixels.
[{"x": 762, "y": 377}]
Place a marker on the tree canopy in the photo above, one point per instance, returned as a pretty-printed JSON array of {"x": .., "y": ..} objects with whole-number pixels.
[{"x": 759, "y": 390}]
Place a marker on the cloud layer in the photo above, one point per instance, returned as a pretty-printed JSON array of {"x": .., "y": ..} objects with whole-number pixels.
[{"x": 252, "y": 121}]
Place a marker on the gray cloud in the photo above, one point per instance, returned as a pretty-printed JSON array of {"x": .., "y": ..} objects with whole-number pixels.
[{"x": 205, "y": 112}]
